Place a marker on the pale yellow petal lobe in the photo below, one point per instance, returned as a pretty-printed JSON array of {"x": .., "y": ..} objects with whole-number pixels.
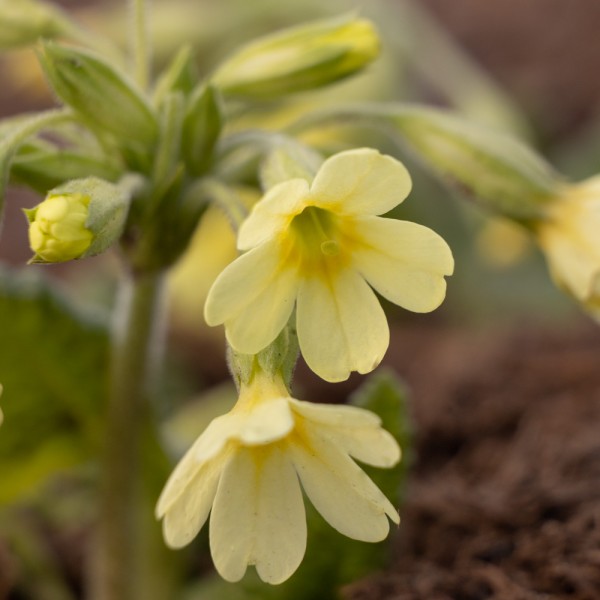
[
  {"x": 360, "y": 182},
  {"x": 341, "y": 325}
]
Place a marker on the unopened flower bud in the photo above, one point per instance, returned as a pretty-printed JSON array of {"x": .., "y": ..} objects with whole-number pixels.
[
  {"x": 299, "y": 58},
  {"x": 57, "y": 230},
  {"x": 79, "y": 219}
]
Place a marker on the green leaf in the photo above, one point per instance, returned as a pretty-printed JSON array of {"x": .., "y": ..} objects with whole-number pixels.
[
  {"x": 53, "y": 362},
  {"x": 385, "y": 394}
]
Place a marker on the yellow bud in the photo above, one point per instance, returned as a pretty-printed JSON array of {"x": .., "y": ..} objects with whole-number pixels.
[
  {"x": 300, "y": 58},
  {"x": 57, "y": 228}
]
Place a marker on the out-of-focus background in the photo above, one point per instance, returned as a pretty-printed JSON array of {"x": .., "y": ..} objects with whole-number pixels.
[{"x": 503, "y": 500}]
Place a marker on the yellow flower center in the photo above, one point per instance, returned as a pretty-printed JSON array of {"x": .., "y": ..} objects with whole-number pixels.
[{"x": 317, "y": 239}]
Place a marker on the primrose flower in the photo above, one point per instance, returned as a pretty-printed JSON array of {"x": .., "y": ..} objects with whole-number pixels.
[
  {"x": 246, "y": 470},
  {"x": 319, "y": 247},
  {"x": 570, "y": 239}
]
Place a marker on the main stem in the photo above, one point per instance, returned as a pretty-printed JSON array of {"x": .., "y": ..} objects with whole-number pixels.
[{"x": 136, "y": 329}]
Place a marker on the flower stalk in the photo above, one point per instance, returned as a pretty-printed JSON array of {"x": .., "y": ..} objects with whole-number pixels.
[{"x": 136, "y": 339}]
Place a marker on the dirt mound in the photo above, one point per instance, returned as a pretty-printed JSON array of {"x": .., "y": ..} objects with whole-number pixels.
[{"x": 504, "y": 499}]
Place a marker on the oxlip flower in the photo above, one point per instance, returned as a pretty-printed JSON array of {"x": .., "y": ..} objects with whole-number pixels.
[
  {"x": 247, "y": 469},
  {"x": 321, "y": 247},
  {"x": 569, "y": 235}
]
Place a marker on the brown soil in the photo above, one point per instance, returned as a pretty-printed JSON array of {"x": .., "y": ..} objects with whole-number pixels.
[{"x": 504, "y": 498}]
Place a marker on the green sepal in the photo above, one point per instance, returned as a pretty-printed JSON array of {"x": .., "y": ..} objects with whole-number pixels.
[
  {"x": 279, "y": 358},
  {"x": 53, "y": 400},
  {"x": 179, "y": 76},
  {"x": 290, "y": 160},
  {"x": 24, "y": 22},
  {"x": 201, "y": 128},
  {"x": 102, "y": 97},
  {"x": 171, "y": 124}
]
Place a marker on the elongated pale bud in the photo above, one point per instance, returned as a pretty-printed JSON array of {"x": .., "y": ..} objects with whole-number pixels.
[
  {"x": 81, "y": 218},
  {"x": 104, "y": 98},
  {"x": 23, "y": 22},
  {"x": 497, "y": 170},
  {"x": 300, "y": 58}
]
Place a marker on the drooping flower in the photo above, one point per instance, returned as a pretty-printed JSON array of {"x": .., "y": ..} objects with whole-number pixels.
[
  {"x": 570, "y": 239},
  {"x": 247, "y": 469},
  {"x": 321, "y": 247}
]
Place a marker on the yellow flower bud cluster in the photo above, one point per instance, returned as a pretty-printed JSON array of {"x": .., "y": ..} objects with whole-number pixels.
[{"x": 57, "y": 230}]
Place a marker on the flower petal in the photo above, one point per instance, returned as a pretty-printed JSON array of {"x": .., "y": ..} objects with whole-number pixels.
[
  {"x": 335, "y": 415},
  {"x": 262, "y": 319},
  {"x": 267, "y": 422},
  {"x": 206, "y": 447},
  {"x": 272, "y": 213},
  {"x": 355, "y": 430},
  {"x": 240, "y": 282},
  {"x": 340, "y": 490},
  {"x": 404, "y": 262},
  {"x": 264, "y": 525},
  {"x": 254, "y": 296},
  {"x": 341, "y": 325},
  {"x": 360, "y": 182},
  {"x": 186, "y": 516}
]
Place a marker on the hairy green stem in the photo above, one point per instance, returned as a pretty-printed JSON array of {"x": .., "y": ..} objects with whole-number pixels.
[
  {"x": 136, "y": 334},
  {"x": 139, "y": 37}
]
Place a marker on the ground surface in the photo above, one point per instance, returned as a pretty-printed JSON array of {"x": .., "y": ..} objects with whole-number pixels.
[{"x": 504, "y": 499}]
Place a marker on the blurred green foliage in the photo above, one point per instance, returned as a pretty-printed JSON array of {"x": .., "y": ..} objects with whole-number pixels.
[{"x": 53, "y": 365}]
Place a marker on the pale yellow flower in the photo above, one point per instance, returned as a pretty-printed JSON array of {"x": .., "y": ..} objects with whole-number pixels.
[
  {"x": 319, "y": 247},
  {"x": 570, "y": 239},
  {"x": 246, "y": 470}
]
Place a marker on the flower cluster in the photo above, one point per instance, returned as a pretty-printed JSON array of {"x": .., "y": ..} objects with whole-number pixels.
[
  {"x": 320, "y": 248},
  {"x": 248, "y": 466}
]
